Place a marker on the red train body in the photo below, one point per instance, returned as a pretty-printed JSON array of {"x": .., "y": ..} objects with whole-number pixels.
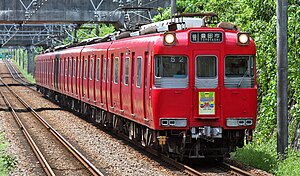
[{"x": 195, "y": 97}]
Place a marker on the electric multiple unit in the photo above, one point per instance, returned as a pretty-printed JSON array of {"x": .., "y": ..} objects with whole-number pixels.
[{"x": 184, "y": 89}]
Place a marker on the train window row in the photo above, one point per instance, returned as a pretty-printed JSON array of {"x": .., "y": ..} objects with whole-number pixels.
[
  {"x": 170, "y": 71},
  {"x": 69, "y": 69}
]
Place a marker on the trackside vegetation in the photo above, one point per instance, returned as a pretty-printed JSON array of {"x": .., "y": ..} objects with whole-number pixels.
[
  {"x": 27, "y": 76},
  {"x": 7, "y": 161},
  {"x": 259, "y": 18}
]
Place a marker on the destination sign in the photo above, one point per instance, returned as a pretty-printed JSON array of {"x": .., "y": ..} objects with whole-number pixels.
[{"x": 206, "y": 37}]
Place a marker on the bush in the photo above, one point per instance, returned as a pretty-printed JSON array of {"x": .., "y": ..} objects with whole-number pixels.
[{"x": 7, "y": 162}]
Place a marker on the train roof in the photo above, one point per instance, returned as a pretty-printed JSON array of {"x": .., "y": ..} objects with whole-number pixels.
[{"x": 179, "y": 22}]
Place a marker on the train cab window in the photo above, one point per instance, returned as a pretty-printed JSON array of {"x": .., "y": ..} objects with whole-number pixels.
[
  {"x": 85, "y": 69},
  {"x": 126, "y": 75},
  {"x": 98, "y": 69},
  {"x": 171, "y": 71},
  {"x": 116, "y": 70},
  {"x": 104, "y": 70},
  {"x": 139, "y": 72},
  {"x": 206, "y": 72},
  {"x": 91, "y": 69},
  {"x": 239, "y": 71}
]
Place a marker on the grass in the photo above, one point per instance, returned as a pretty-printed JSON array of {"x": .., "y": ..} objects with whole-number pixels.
[
  {"x": 264, "y": 156},
  {"x": 7, "y": 161},
  {"x": 29, "y": 77}
]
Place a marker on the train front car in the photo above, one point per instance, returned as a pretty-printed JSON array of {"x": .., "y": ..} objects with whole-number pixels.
[{"x": 204, "y": 93}]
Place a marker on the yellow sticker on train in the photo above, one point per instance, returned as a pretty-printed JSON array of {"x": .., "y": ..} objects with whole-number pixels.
[{"x": 206, "y": 103}]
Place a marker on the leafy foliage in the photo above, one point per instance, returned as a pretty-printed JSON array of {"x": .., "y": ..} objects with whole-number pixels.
[
  {"x": 7, "y": 162},
  {"x": 89, "y": 31}
]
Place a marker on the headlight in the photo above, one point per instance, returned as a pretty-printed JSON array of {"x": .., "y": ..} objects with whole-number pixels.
[
  {"x": 243, "y": 39},
  {"x": 169, "y": 38}
]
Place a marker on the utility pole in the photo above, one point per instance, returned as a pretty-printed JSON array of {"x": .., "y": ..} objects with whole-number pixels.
[
  {"x": 97, "y": 29},
  {"x": 28, "y": 59},
  {"x": 173, "y": 7},
  {"x": 282, "y": 77},
  {"x": 23, "y": 60}
]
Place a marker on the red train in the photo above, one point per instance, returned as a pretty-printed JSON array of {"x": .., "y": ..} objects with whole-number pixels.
[{"x": 183, "y": 88}]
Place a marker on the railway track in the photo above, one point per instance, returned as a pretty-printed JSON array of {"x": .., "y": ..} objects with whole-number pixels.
[
  {"x": 17, "y": 77},
  {"x": 235, "y": 170},
  {"x": 34, "y": 137},
  {"x": 190, "y": 170}
]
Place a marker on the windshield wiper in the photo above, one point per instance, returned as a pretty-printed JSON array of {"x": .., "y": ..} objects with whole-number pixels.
[{"x": 246, "y": 73}]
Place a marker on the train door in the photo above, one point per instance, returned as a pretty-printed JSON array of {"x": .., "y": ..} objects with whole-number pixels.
[
  {"x": 132, "y": 81},
  {"x": 70, "y": 75},
  {"x": 97, "y": 81},
  {"x": 115, "y": 84},
  {"x": 52, "y": 72},
  {"x": 91, "y": 86},
  {"x": 146, "y": 87},
  {"x": 79, "y": 75},
  {"x": 206, "y": 92},
  {"x": 74, "y": 70},
  {"x": 104, "y": 84},
  {"x": 126, "y": 88},
  {"x": 65, "y": 78},
  {"x": 121, "y": 63},
  {"x": 138, "y": 90},
  {"x": 109, "y": 82},
  {"x": 85, "y": 79}
]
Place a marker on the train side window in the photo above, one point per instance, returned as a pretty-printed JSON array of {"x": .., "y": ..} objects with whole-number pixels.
[
  {"x": 66, "y": 67},
  {"x": 98, "y": 69},
  {"x": 74, "y": 67},
  {"x": 139, "y": 72},
  {"x": 206, "y": 72},
  {"x": 70, "y": 67},
  {"x": 108, "y": 70},
  {"x": 58, "y": 67},
  {"x": 80, "y": 68},
  {"x": 126, "y": 75},
  {"x": 104, "y": 69},
  {"x": 85, "y": 69},
  {"x": 91, "y": 69},
  {"x": 116, "y": 70}
]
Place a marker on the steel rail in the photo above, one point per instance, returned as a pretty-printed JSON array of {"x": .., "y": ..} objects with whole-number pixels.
[
  {"x": 175, "y": 163},
  {"x": 92, "y": 169},
  {"x": 235, "y": 169},
  {"x": 31, "y": 142},
  {"x": 23, "y": 82},
  {"x": 9, "y": 67},
  {"x": 164, "y": 158}
]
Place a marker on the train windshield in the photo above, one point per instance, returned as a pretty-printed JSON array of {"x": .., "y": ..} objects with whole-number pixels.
[
  {"x": 239, "y": 71},
  {"x": 206, "y": 72},
  {"x": 171, "y": 71}
]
